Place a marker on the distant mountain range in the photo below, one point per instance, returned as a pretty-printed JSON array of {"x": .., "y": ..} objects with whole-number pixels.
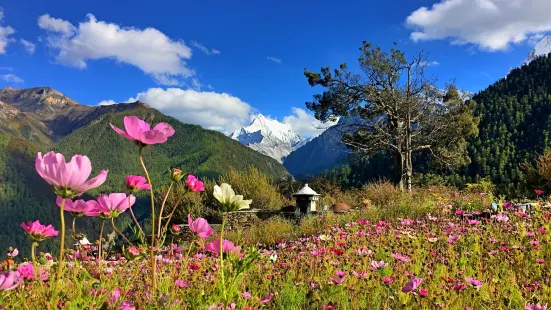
[
  {"x": 269, "y": 137},
  {"x": 43, "y": 119}
]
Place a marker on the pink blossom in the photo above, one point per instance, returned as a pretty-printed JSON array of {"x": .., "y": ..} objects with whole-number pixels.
[
  {"x": 68, "y": 179},
  {"x": 330, "y": 306},
  {"x": 140, "y": 131},
  {"x": 179, "y": 283},
  {"x": 110, "y": 206},
  {"x": 453, "y": 238},
  {"x": 266, "y": 299},
  {"x": 337, "y": 280},
  {"x": 378, "y": 265},
  {"x": 127, "y": 305},
  {"x": 10, "y": 280},
  {"x": 359, "y": 275},
  {"x": 227, "y": 247},
  {"x": 136, "y": 183},
  {"x": 194, "y": 184},
  {"x": 388, "y": 280},
  {"x": 200, "y": 226},
  {"x": 37, "y": 231},
  {"x": 538, "y": 191},
  {"x": 535, "y": 307},
  {"x": 13, "y": 253},
  {"x": 79, "y": 207},
  {"x": 501, "y": 217},
  {"x": 340, "y": 273},
  {"x": 423, "y": 292},
  {"x": 26, "y": 270},
  {"x": 246, "y": 295},
  {"x": 400, "y": 257},
  {"x": 474, "y": 222},
  {"x": 540, "y": 261},
  {"x": 474, "y": 282},
  {"x": 412, "y": 285}
]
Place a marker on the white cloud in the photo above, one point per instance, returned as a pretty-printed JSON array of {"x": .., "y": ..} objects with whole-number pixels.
[
  {"x": 29, "y": 46},
  {"x": 107, "y": 102},
  {"x": 489, "y": 24},
  {"x": 204, "y": 49},
  {"x": 5, "y": 34},
  {"x": 217, "y": 111},
  {"x": 11, "y": 78},
  {"x": 305, "y": 124},
  {"x": 276, "y": 60},
  {"x": 148, "y": 49}
]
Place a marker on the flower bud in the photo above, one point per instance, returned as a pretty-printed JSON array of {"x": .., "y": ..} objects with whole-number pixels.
[{"x": 176, "y": 174}]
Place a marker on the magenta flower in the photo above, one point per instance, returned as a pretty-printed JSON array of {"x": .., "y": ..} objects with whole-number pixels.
[
  {"x": 474, "y": 282},
  {"x": 140, "y": 131},
  {"x": 378, "y": 264},
  {"x": 266, "y": 299},
  {"x": 340, "y": 273},
  {"x": 246, "y": 295},
  {"x": 227, "y": 247},
  {"x": 194, "y": 184},
  {"x": 26, "y": 270},
  {"x": 423, "y": 292},
  {"x": 388, "y": 280},
  {"x": 80, "y": 207},
  {"x": 110, "y": 206},
  {"x": 453, "y": 238},
  {"x": 329, "y": 306},
  {"x": 412, "y": 285},
  {"x": 68, "y": 179},
  {"x": 39, "y": 232},
  {"x": 10, "y": 280},
  {"x": 200, "y": 226},
  {"x": 535, "y": 307},
  {"x": 538, "y": 191},
  {"x": 136, "y": 183},
  {"x": 400, "y": 257},
  {"x": 337, "y": 280},
  {"x": 13, "y": 253},
  {"x": 127, "y": 305}
]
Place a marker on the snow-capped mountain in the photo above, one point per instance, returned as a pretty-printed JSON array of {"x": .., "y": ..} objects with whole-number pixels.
[
  {"x": 269, "y": 137},
  {"x": 542, "y": 48}
]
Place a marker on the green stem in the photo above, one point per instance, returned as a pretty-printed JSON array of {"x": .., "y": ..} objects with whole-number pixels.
[
  {"x": 74, "y": 231},
  {"x": 161, "y": 211},
  {"x": 136, "y": 220},
  {"x": 119, "y": 232},
  {"x": 222, "y": 257},
  {"x": 153, "y": 260},
  {"x": 62, "y": 246},
  {"x": 33, "y": 251}
]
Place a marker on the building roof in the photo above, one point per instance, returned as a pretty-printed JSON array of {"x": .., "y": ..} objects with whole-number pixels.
[{"x": 306, "y": 191}]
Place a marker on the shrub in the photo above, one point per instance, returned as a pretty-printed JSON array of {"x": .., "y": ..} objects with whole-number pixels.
[
  {"x": 271, "y": 231},
  {"x": 255, "y": 185},
  {"x": 382, "y": 193}
]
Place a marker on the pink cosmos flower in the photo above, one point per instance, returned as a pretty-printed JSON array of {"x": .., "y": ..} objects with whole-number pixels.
[
  {"x": 127, "y": 305},
  {"x": 246, "y": 295},
  {"x": 140, "y": 131},
  {"x": 423, "y": 292},
  {"x": 79, "y": 207},
  {"x": 13, "y": 253},
  {"x": 474, "y": 222},
  {"x": 388, "y": 280},
  {"x": 200, "y": 226},
  {"x": 68, "y": 179},
  {"x": 110, "y": 206},
  {"x": 37, "y": 231},
  {"x": 538, "y": 191},
  {"x": 378, "y": 265},
  {"x": 453, "y": 238},
  {"x": 535, "y": 307},
  {"x": 337, "y": 280},
  {"x": 179, "y": 283},
  {"x": 194, "y": 184},
  {"x": 26, "y": 270},
  {"x": 329, "y": 306},
  {"x": 227, "y": 247},
  {"x": 136, "y": 183},
  {"x": 412, "y": 285},
  {"x": 400, "y": 257},
  {"x": 10, "y": 280},
  {"x": 266, "y": 299},
  {"x": 501, "y": 217},
  {"x": 340, "y": 273},
  {"x": 540, "y": 261},
  {"x": 474, "y": 282},
  {"x": 359, "y": 275}
]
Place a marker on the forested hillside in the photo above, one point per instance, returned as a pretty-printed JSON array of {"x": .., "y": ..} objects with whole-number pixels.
[{"x": 515, "y": 126}]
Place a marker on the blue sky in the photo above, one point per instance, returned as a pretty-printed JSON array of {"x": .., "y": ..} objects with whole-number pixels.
[{"x": 218, "y": 63}]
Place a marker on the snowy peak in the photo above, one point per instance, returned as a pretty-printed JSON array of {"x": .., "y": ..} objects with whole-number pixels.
[
  {"x": 269, "y": 137},
  {"x": 541, "y": 49}
]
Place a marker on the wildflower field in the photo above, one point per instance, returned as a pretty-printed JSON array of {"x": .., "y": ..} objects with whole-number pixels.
[{"x": 447, "y": 257}]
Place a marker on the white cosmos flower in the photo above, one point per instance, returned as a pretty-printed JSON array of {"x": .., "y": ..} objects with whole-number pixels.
[{"x": 228, "y": 199}]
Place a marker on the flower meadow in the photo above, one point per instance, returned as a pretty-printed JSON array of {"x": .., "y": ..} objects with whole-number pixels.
[{"x": 452, "y": 258}]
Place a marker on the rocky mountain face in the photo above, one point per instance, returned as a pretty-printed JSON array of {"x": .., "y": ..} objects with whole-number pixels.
[
  {"x": 43, "y": 114},
  {"x": 269, "y": 137},
  {"x": 541, "y": 49},
  {"x": 323, "y": 152}
]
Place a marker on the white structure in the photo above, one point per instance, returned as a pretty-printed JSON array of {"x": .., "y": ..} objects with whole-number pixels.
[{"x": 306, "y": 200}]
